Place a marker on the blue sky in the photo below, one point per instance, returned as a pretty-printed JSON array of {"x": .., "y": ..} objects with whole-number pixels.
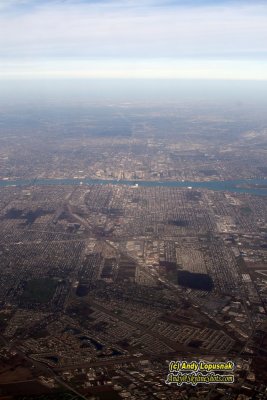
[{"x": 193, "y": 39}]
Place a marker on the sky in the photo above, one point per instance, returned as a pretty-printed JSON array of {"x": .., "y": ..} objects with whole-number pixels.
[{"x": 122, "y": 39}]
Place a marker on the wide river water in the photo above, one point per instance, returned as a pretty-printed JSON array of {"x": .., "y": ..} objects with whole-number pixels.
[{"x": 250, "y": 186}]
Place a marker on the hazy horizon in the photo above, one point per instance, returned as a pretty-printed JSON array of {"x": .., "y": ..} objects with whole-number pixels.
[{"x": 158, "y": 91}]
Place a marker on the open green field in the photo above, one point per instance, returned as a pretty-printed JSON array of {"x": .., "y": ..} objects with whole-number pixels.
[{"x": 39, "y": 290}]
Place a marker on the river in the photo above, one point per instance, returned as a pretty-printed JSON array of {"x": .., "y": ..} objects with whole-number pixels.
[{"x": 250, "y": 186}]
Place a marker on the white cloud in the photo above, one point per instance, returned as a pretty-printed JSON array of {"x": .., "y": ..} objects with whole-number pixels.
[
  {"x": 109, "y": 31},
  {"x": 136, "y": 68}
]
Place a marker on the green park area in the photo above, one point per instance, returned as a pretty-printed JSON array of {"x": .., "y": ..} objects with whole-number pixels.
[{"x": 39, "y": 290}]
